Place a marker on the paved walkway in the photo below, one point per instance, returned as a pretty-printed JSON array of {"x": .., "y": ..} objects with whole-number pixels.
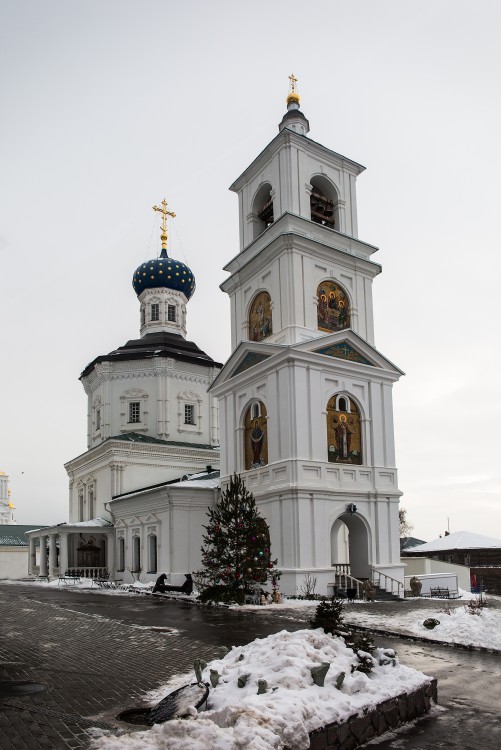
[
  {"x": 92, "y": 668},
  {"x": 97, "y": 654}
]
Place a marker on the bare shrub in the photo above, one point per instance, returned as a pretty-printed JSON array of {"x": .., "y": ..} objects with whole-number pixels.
[{"x": 308, "y": 586}]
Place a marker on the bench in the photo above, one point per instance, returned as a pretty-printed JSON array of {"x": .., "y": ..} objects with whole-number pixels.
[
  {"x": 443, "y": 592},
  {"x": 68, "y": 579}
]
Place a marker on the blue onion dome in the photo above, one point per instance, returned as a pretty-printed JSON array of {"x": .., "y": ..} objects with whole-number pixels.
[{"x": 164, "y": 272}]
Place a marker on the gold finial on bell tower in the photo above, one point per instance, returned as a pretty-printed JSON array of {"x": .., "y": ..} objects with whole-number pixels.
[
  {"x": 163, "y": 235},
  {"x": 293, "y": 97}
]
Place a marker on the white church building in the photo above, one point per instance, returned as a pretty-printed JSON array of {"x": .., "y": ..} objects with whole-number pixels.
[{"x": 302, "y": 409}]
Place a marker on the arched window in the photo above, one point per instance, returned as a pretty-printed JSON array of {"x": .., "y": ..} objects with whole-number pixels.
[
  {"x": 121, "y": 554},
  {"x": 262, "y": 209},
  {"x": 152, "y": 554},
  {"x": 324, "y": 202},
  {"x": 344, "y": 438},
  {"x": 260, "y": 317},
  {"x": 256, "y": 437},
  {"x": 136, "y": 554},
  {"x": 333, "y": 307}
]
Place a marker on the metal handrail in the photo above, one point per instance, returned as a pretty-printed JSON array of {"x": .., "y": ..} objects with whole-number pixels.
[
  {"x": 339, "y": 568},
  {"x": 377, "y": 575},
  {"x": 346, "y": 581}
]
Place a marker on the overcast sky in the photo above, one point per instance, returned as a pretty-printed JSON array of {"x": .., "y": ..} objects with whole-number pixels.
[{"x": 110, "y": 105}]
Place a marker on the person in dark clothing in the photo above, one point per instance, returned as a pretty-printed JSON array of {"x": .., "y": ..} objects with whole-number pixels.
[{"x": 160, "y": 584}]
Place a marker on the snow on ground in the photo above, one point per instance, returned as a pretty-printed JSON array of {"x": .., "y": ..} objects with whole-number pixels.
[
  {"x": 457, "y": 624},
  {"x": 292, "y": 706}
]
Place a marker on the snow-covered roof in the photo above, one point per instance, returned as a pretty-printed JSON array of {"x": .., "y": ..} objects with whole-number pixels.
[
  {"x": 99, "y": 522},
  {"x": 409, "y": 542},
  {"x": 199, "y": 480},
  {"x": 459, "y": 540},
  {"x": 13, "y": 535}
]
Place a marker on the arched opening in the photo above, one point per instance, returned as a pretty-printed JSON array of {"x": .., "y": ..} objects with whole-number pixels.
[
  {"x": 152, "y": 554},
  {"x": 344, "y": 435},
  {"x": 262, "y": 209},
  {"x": 256, "y": 437},
  {"x": 136, "y": 554},
  {"x": 260, "y": 317},
  {"x": 333, "y": 311},
  {"x": 324, "y": 202},
  {"x": 121, "y": 555},
  {"x": 350, "y": 545}
]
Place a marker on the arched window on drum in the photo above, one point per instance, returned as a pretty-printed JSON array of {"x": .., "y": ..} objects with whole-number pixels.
[
  {"x": 344, "y": 438},
  {"x": 260, "y": 317},
  {"x": 333, "y": 307},
  {"x": 256, "y": 436}
]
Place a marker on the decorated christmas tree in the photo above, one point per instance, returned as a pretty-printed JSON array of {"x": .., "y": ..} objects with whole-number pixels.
[{"x": 236, "y": 555}]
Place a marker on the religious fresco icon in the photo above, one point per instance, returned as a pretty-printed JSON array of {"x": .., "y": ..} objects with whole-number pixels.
[
  {"x": 260, "y": 317},
  {"x": 344, "y": 440},
  {"x": 256, "y": 437},
  {"x": 333, "y": 307}
]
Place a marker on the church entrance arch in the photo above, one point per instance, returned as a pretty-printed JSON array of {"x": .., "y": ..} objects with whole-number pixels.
[{"x": 350, "y": 545}]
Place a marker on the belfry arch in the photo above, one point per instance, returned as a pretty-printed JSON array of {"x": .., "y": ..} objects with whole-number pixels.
[
  {"x": 324, "y": 202},
  {"x": 350, "y": 544},
  {"x": 262, "y": 209}
]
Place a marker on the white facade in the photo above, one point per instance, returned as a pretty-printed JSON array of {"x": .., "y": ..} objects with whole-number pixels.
[
  {"x": 323, "y": 468},
  {"x": 161, "y": 529},
  {"x": 150, "y": 422},
  {"x": 295, "y": 372}
]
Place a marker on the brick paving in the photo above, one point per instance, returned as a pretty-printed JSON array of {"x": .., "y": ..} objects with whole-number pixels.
[{"x": 92, "y": 668}]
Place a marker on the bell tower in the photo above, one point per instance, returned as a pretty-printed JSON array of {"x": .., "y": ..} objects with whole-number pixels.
[
  {"x": 298, "y": 226},
  {"x": 306, "y": 398}
]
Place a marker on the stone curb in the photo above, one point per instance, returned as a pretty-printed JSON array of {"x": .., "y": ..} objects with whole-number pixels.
[{"x": 373, "y": 722}]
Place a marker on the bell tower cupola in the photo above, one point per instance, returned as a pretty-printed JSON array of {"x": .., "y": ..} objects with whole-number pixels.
[
  {"x": 294, "y": 118},
  {"x": 164, "y": 286}
]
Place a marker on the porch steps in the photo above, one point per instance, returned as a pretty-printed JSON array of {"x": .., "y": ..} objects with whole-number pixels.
[{"x": 386, "y": 596}]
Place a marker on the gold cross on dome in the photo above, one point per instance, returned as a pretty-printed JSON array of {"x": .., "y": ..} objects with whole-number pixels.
[
  {"x": 163, "y": 210},
  {"x": 293, "y": 80}
]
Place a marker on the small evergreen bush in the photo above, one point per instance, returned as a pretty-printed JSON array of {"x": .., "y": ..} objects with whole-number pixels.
[{"x": 329, "y": 616}]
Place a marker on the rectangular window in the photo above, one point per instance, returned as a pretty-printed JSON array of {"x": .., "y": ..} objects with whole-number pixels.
[
  {"x": 189, "y": 414},
  {"x": 98, "y": 419},
  {"x": 171, "y": 313},
  {"x": 134, "y": 411},
  {"x": 155, "y": 311}
]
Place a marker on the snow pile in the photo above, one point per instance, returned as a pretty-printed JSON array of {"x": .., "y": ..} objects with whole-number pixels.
[{"x": 292, "y": 706}]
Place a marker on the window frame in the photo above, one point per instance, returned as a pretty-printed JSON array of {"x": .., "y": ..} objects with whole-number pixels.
[{"x": 132, "y": 407}]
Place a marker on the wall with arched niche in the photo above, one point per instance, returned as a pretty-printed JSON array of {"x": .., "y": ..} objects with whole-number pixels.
[
  {"x": 333, "y": 313},
  {"x": 260, "y": 317},
  {"x": 256, "y": 436},
  {"x": 344, "y": 437}
]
